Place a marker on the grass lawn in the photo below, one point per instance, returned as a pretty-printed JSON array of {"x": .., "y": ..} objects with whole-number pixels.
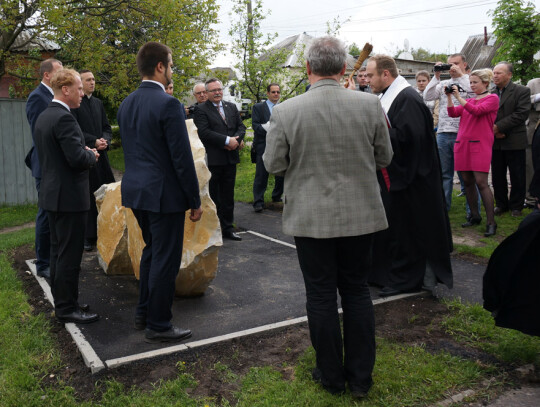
[{"x": 404, "y": 375}]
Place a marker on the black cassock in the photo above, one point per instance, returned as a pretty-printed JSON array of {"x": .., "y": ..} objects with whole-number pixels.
[
  {"x": 419, "y": 231},
  {"x": 94, "y": 124}
]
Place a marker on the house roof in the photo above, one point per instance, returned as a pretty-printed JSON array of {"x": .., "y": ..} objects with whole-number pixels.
[
  {"x": 477, "y": 53},
  {"x": 298, "y": 44},
  {"x": 25, "y": 42}
]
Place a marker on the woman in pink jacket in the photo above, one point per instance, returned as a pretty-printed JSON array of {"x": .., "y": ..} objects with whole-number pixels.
[{"x": 473, "y": 147}]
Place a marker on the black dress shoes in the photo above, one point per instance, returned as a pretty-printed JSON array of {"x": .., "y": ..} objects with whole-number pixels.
[
  {"x": 44, "y": 273},
  {"x": 229, "y": 234},
  {"x": 471, "y": 221},
  {"x": 174, "y": 334},
  {"x": 490, "y": 230},
  {"x": 258, "y": 208},
  {"x": 499, "y": 211},
  {"x": 140, "y": 322},
  {"x": 317, "y": 377},
  {"x": 388, "y": 292},
  {"x": 88, "y": 245},
  {"x": 78, "y": 317},
  {"x": 84, "y": 307}
]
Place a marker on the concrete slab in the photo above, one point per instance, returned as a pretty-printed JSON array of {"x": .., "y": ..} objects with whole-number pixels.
[{"x": 258, "y": 287}]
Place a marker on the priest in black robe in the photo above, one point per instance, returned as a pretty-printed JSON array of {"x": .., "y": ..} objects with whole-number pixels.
[
  {"x": 97, "y": 134},
  {"x": 414, "y": 252}
]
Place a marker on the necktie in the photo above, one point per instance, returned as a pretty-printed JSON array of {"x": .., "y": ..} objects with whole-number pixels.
[{"x": 221, "y": 113}]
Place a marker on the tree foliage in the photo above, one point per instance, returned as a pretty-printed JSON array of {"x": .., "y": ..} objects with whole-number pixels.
[
  {"x": 105, "y": 35},
  {"x": 517, "y": 27},
  {"x": 257, "y": 65}
]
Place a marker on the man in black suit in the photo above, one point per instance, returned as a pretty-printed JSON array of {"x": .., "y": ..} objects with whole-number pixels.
[
  {"x": 260, "y": 118},
  {"x": 65, "y": 161},
  {"x": 222, "y": 132},
  {"x": 159, "y": 185},
  {"x": 37, "y": 102},
  {"x": 97, "y": 134},
  {"x": 510, "y": 141}
]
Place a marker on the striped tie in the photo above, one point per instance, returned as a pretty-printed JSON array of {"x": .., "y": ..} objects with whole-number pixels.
[{"x": 221, "y": 113}]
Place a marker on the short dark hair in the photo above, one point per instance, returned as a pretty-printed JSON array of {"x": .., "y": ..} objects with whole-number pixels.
[
  {"x": 458, "y": 54},
  {"x": 272, "y": 84},
  {"x": 47, "y": 66},
  {"x": 210, "y": 81},
  {"x": 150, "y": 55},
  {"x": 84, "y": 71}
]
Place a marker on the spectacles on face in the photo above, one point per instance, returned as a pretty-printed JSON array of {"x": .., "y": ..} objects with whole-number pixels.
[
  {"x": 218, "y": 90},
  {"x": 202, "y": 92}
]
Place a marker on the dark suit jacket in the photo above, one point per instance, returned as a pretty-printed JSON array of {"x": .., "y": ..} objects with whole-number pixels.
[
  {"x": 514, "y": 107},
  {"x": 37, "y": 102},
  {"x": 213, "y": 131},
  {"x": 260, "y": 115},
  {"x": 160, "y": 174},
  {"x": 64, "y": 161}
]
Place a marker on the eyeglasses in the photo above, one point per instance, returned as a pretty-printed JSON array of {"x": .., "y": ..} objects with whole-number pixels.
[
  {"x": 215, "y": 90},
  {"x": 202, "y": 92}
]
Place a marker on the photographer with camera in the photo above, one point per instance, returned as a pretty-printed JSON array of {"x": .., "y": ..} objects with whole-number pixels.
[
  {"x": 200, "y": 94},
  {"x": 448, "y": 126}
]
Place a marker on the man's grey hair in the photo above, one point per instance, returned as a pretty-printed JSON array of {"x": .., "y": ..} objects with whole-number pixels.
[
  {"x": 197, "y": 84},
  {"x": 212, "y": 80},
  {"x": 326, "y": 56},
  {"x": 508, "y": 65}
]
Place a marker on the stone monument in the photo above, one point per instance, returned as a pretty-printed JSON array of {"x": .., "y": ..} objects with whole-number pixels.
[{"x": 120, "y": 242}]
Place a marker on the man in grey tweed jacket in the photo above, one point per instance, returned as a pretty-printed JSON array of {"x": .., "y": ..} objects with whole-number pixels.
[{"x": 328, "y": 144}]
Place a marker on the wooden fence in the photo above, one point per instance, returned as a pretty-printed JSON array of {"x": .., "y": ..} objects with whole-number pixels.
[{"x": 17, "y": 186}]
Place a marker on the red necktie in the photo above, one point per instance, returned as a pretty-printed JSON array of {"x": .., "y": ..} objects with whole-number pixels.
[{"x": 221, "y": 113}]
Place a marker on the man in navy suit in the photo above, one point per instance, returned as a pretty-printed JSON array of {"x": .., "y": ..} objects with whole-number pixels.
[
  {"x": 37, "y": 102},
  {"x": 222, "y": 132},
  {"x": 260, "y": 117},
  {"x": 65, "y": 162},
  {"x": 159, "y": 185}
]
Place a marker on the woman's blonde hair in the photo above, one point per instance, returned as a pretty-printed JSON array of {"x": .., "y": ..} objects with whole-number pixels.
[{"x": 485, "y": 75}]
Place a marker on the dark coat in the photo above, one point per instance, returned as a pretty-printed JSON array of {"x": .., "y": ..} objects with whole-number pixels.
[
  {"x": 511, "y": 288},
  {"x": 260, "y": 115},
  {"x": 514, "y": 108},
  {"x": 37, "y": 102},
  {"x": 64, "y": 161},
  {"x": 160, "y": 174},
  {"x": 419, "y": 230},
  {"x": 94, "y": 125},
  {"x": 213, "y": 131}
]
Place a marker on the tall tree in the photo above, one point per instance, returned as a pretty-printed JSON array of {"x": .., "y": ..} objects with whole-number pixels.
[
  {"x": 517, "y": 27},
  {"x": 257, "y": 64},
  {"x": 105, "y": 35}
]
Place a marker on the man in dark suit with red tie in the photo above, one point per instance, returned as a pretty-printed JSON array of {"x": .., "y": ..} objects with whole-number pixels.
[
  {"x": 222, "y": 132},
  {"x": 37, "y": 102},
  {"x": 159, "y": 185},
  {"x": 65, "y": 162},
  {"x": 260, "y": 118}
]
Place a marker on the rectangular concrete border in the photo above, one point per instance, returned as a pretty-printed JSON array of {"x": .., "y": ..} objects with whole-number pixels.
[{"x": 92, "y": 360}]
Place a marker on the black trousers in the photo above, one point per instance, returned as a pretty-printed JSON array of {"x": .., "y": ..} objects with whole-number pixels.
[
  {"x": 222, "y": 193},
  {"x": 67, "y": 242},
  {"x": 91, "y": 220},
  {"x": 163, "y": 235},
  {"x": 331, "y": 265},
  {"x": 514, "y": 161},
  {"x": 261, "y": 182}
]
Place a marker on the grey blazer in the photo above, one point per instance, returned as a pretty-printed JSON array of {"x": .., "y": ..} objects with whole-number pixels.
[{"x": 328, "y": 143}]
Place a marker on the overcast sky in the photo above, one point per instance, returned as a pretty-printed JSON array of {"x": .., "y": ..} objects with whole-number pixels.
[{"x": 440, "y": 26}]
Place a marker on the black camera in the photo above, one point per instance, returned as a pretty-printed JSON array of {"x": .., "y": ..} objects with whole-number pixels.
[
  {"x": 191, "y": 109},
  {"x": 443, "y": 67},
  {"x": 448, "y": 88}
]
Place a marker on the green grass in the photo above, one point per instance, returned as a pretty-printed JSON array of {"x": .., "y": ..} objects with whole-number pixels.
[
  {"x": 473, "y": 325},
  {"x": 506, "y": 225},
  {"x": 17, "y": 215},
  {"x": 116, "y": 158}
]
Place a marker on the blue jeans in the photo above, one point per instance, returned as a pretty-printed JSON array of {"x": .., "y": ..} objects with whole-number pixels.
[{"x": 445, "y": 145}]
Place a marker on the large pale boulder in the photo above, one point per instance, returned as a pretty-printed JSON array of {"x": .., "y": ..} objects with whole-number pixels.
[{"x": 120, "y": 245}]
